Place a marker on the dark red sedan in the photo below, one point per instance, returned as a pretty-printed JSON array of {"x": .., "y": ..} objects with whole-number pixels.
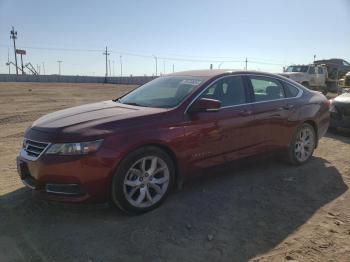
[{"x": 135, "y": 149}]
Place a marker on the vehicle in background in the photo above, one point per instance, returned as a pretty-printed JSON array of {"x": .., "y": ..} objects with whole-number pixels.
[
  {"x": 311, "y": 76},
  {"x": 337, "y": 68},
  {"x": 344, "y": 82},
  {"x": 340, "y": 112}
]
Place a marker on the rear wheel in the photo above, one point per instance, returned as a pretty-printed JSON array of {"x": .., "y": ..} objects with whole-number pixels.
[
  {"x": 302, "y": 145},
  {"x": 143, "y": 180}
]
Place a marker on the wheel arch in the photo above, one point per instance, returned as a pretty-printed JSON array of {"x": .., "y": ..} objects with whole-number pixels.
[
  {"x": 314, "y": 125},
  {"x": 169, "y": 151},
  {"x": 173, "y": 157}
]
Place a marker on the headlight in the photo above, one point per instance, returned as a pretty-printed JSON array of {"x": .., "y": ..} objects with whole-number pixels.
[{"x": 80, "y": 148}]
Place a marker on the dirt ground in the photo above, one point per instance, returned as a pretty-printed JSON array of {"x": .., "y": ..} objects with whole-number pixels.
[{"x": 257, "y": 210}]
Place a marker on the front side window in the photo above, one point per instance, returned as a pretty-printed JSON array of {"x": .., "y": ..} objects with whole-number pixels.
[
  {"x": 266, "y": 89},
  {"x": 229, "y": 91},
  {"x": 163, "y": 92},
  {"x": 299, "y": 69}
]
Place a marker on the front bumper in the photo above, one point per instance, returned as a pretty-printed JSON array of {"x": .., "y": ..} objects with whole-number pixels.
[{"x": 68, "y": 178}]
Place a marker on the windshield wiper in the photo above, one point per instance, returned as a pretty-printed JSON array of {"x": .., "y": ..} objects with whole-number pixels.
[
  {"x": 118, "y": 100},
  {"x": 134, "y": 104}
]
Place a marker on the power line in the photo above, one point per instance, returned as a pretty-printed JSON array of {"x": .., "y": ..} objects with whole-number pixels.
[{"x": 185, "y": 58}]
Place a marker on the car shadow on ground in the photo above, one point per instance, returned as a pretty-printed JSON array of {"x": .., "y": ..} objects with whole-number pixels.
[{"x": 231, "y": 213}]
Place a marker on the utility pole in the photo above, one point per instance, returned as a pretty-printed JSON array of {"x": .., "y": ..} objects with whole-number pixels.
[
  {"x": 106, "y": 54},
  {"x": 314, "y": 58},
  {"x": 246, "y": 63},
  {"x": 156, "y": 59},
  {"x": 14, "y": 37},
  {"x": 121, "y": 65},
  {"x": 44, "y": 68},
  {"x": 59, "y": 66},
  {"x": 113, "y": 68},
  {"x": 8, "y": 60},
  {"x": 109, "y": 67},
  {"x": 22, "y": 64},
  {"x": 164, "y": 67}
]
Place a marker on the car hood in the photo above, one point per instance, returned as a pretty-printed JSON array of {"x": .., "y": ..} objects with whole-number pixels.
[
  {"x": 90, "y": 114},
  {"x": 344, "y": 98}
]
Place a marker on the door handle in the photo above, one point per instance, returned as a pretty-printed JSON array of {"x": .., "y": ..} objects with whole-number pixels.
[
  {"x": 286, "y": 107},
  {"x": 244, "y": 112}
]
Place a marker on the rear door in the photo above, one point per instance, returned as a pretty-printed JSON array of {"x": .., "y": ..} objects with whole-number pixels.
[{"x": 270, "y": 112}]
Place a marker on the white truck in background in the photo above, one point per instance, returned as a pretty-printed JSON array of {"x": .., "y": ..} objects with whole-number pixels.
[{"x": 311, "y": 76}]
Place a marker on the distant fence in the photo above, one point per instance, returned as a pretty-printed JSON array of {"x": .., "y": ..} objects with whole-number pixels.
[{"x": 127, "y": 80}]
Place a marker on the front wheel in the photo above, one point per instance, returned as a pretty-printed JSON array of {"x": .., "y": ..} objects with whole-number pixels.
[
  {"x": 302, "y": 145},
  {"x": 143, "y": 180}
]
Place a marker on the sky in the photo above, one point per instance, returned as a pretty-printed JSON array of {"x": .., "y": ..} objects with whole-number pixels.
[{"x": 180, "y": 35}]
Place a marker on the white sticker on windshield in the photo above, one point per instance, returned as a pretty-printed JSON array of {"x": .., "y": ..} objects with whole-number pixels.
[{"x": 194, "y": 82}]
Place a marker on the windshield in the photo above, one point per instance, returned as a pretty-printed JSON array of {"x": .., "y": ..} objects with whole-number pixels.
[
  {"x": 302, "y": 69},
  {"x": 163, "y": 92}
]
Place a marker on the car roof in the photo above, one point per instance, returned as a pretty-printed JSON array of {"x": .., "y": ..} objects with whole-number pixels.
[{"x": 216, "y": 72}]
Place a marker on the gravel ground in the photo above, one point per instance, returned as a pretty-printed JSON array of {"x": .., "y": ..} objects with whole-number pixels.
[{"x": 257, "y": 210}]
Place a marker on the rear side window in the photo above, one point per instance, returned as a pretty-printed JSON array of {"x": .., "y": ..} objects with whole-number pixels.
[
  {"x": 266, "y": 89},
  {"x": 290, "y": 90}
]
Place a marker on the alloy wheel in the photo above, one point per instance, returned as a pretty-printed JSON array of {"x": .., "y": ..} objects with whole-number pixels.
[
  {"x": 305, "y": 143},
  {"x": 146, "y": 181}
]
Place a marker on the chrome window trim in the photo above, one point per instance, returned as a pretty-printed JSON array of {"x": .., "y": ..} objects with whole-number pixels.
[
  {"x": 249, "y": 103},
  {"x": 24, "y": 154}
]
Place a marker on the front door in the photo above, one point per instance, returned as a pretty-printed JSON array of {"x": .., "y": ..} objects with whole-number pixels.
[{"x": 217, "y": 137}]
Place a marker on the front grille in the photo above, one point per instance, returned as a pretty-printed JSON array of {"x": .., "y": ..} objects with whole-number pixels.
[
  {"x": 346, "y": 112},
  {"x": 343, "y": 109},
  {"x": 34, "y": 148}
]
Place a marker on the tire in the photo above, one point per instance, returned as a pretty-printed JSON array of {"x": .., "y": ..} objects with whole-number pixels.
[
  {"x": 302, "y": 145},
  {"x": 143, "y": 180}
]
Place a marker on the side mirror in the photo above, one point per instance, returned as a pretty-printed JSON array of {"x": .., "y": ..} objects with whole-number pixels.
[{"x": 205, "y": 105}]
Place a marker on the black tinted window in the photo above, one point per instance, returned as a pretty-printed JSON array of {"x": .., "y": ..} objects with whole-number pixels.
[
  {"x": 320, "y": 70},
  {"x": 312, "y": 70},
  {"x": 291, "y": 91},
  {"x": 266, "y": 89},
  {"x": 229, "y": 91}
]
